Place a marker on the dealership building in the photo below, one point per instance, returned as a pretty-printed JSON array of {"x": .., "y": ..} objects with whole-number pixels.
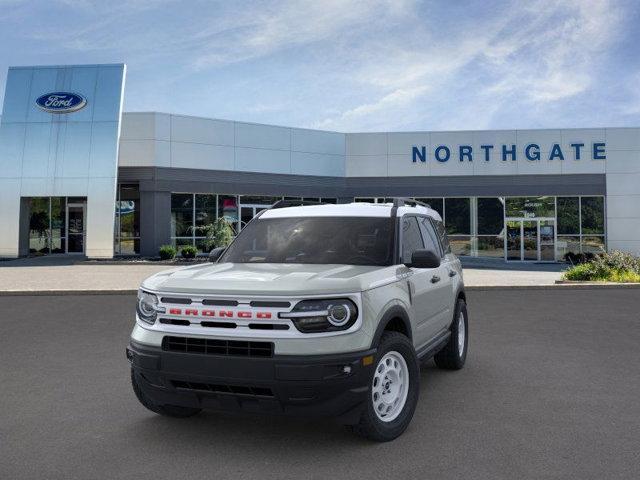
[{"x": 79, "y": 176}]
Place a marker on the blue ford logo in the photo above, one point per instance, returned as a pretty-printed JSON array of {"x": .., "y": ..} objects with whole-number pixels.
[{"x": 61, "y": 102}]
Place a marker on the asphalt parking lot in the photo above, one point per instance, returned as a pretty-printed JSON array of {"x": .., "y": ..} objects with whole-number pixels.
[{"x": 551, "y": 390}]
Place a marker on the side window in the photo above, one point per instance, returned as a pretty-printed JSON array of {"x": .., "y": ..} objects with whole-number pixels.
[
  {"x": 429, "y": 235},
  {"x": 442, "y": 234},
  {"x": 411, "y": 238}
]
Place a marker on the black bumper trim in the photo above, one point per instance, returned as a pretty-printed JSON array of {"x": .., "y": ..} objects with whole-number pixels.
[{"x": 312, "y": 385}]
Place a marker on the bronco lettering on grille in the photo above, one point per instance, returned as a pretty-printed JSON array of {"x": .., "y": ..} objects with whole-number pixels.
[{"x": 192, "y": 312}]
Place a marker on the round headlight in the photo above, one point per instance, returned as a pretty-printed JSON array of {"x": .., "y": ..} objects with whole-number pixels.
[
  {"x": 147, "y": 306},
  {"x": 338, "y": 314},
  {"x": 323, "y": 315}
]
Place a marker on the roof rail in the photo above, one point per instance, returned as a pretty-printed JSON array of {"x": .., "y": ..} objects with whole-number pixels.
[
  {"x": 400, "y": 201},
  {"x": 294, "y": 203}
]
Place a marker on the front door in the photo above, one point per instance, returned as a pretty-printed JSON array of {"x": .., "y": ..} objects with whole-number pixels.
[
  {"x": 429, "y": 288},
  {"x": 75, "y": 227},
  {"x": 530, "y": 240}
]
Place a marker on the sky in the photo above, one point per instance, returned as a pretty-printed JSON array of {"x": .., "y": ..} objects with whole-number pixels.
[{"x": 350, "y": 65}]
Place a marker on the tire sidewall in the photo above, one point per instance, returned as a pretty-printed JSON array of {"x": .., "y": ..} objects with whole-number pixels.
[
  {"x": 461, "y": 307},
  {"x": 389, "y": 430}
]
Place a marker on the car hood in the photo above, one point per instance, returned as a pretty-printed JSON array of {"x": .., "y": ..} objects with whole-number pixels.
[{"x": 269, "y": 279}]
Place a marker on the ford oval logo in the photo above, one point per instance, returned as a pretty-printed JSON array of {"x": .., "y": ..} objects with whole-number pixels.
[{"x": 61, "y": 102}]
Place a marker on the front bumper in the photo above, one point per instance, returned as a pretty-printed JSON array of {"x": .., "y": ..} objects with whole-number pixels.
[{"x": 318, "y": 385}]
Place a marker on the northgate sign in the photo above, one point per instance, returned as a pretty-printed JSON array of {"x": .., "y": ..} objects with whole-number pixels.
[{"x": 531, "y": 152}]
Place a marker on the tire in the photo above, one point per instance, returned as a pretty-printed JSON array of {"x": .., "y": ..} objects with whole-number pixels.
[
  {"x": 165, "y": 410},
  {"x": 398, "y": 353},
  {"x": 454, "y": 353}
]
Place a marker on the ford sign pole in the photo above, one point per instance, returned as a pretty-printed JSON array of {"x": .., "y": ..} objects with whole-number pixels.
[{"x": 61, "y": 102}]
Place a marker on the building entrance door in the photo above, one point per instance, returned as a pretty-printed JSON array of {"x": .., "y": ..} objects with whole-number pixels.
[
  {"x": 76, "y": 230},
  {"x": 531, "y": 240},
  {"x": 248, "y": 211}
]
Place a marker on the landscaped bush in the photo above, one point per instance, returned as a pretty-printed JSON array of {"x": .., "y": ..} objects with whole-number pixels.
[
  {"x": 167, "y": 252},
  {"x": 607, "y": 267},
  {"x": 189, "y": 251}
]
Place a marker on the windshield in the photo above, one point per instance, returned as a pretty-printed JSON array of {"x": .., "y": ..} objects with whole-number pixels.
[{"x": 320, "y": 240}]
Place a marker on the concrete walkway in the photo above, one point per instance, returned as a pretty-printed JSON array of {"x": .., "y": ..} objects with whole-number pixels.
[{"x": 64, "y": 274}]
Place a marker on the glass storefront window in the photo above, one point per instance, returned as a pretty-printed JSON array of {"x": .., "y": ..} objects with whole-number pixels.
[
  {"x": 228, "y": 209},
  {"x": 39, "y": 225},
  {"x": 568, "y": 215},
  {"x": 460, "y": 244},
  {"x": 435, "y": 203},
  {"x": 490, "y": 246},
  {"x": 567, "y": 244},
  {"x": 592, "y": 214},
  {"x": 48, "y": 229},
  {"x": 490, "y": 216},
  {"x": 181, "y": 242},
  {"x": 181, "y": 214},
  {"x": 205, "y": 210},
  {"x": 530, "y": 207},
  {"x": 127, "y": 226},
  {"x": 475, "y": 225},
  {"x": 457, "y": 216},
  {"x": 593, "y": 244}
]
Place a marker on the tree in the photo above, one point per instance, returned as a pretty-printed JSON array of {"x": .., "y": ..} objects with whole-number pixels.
[{"x": 218, "y": 233}]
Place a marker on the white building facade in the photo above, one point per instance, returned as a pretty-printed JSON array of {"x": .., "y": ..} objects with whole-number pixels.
[{"x": 520, "y": 195}]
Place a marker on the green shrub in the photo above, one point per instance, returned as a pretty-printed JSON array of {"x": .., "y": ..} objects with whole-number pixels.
[
  {"x": 607, "y": 267},
  {"x": 617, "y": 260},
  {"x": 188, "y": 251},
  {"x": 582, "y": 271},
  {"x": 167, "y": 252}
]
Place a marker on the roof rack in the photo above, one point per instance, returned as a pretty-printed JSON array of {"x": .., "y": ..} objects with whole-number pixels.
[
  {"x": 294, "y": 203},
  {"x": 400, "y": 201}
]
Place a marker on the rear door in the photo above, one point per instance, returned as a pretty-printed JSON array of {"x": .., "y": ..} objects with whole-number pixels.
[{"x": 423, "y": 283}]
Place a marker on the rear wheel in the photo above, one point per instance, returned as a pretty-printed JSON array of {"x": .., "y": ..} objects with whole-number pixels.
[
  {"x": 393, "y": 391},
  {"x": 454, "y": 354},
  {"x": 166, "y": 410}
]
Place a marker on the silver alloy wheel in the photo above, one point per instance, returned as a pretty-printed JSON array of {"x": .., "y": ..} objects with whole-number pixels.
[
  {"x": 462, "y": 333},
  {"x": 390, "y": 386}
]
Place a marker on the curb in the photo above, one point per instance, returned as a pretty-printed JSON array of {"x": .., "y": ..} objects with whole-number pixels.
[{"x": 470, "y": 288}]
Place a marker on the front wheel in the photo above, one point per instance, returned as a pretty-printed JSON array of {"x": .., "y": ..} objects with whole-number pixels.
[
  {"x": 393, "y": 391},
  {"x": 454, "y": 354}
]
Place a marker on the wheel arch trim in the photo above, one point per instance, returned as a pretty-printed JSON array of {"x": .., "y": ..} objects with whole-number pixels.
[{"x": 394, "y": 312}]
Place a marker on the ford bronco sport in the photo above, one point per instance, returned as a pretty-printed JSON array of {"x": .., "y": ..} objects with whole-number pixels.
[{"x": 313, "y": 310}]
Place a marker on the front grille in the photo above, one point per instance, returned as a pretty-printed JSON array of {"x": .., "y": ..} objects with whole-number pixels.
[
  {"x": 176, "y": 300},
  {"x": 220, "y": 303},
  {"x": 209, "y": 346},
  {"x": 261, "y": 303},
  {"x": 230, "y": 389}
]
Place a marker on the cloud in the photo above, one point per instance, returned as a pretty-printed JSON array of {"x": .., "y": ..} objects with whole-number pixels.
[
  {"x": 285, "y": 25},
  {"x": 342, "y": 64},
  {"x": 540, "y": 54}
]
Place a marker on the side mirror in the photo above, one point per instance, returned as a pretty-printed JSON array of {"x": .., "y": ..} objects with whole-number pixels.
[
  {"x": 424, "y": 259},
  {"x": 215, "y": 254}
]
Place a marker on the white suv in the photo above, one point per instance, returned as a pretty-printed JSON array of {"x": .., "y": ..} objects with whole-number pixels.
[{"x": 313, "y": 310}]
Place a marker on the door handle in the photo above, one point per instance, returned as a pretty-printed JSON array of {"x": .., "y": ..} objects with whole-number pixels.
[
  {"x": 435, "y": 279},
  {"x": 452, "y": 273}
]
